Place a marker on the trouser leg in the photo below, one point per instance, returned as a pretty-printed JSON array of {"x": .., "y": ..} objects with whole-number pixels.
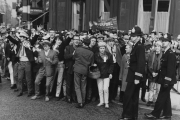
[
  {"x": 100, "y": 84},
  {"x": 162, "y": 101},
  {"x": 114, "y": 82},
  {"x": 77, "y": 83},
  {"x": 64, "y": 87},
  {"x": 151, "y": 91},
  {"x": 143, "y": 86},
  {"x": 10, "y": 68},
  {"x": 15, "y": 69},
  {"x": 89, "y": 88},
  {"x": 130, "y": 101},
  {"x": 83, "y": 87},
  {"x": 48, "y": 84},
  {"x": 21, "y": 71},
  {"x": 28, "y": 77},
  {"x": 106, "y": 89},
  {"x": 69, "y": 85},
  {"x": 59, "y": 80}
]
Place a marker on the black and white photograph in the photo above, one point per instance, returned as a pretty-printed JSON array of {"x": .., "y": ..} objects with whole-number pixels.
[{"x": 89, "y": 60}]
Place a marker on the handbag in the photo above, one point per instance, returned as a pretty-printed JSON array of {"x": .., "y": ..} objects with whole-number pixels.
[{"x": 94, "y": 72}]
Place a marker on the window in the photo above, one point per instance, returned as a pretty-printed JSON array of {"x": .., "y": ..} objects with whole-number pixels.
[
  {"x": 163, "y": 6},
  {"x": 147, "y": 4}
]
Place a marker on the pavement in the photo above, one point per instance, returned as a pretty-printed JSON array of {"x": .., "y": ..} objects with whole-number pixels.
[{"x": 22, "y": 108}]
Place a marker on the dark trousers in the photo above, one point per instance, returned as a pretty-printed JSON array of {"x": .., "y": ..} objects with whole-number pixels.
[
  {"x": 70, "y": 90},
  {"x": 163, "y": 102},
  {"x": 114, "y": 82},
  {"x": 15, "y": 73},
  {"x": 24, "y": 69},
  {"x": 80, "y": 86},
  {"x": 92, "y": 89},
  {"x": 143, "y": 86},
  {"x": 131, "y": 100}
]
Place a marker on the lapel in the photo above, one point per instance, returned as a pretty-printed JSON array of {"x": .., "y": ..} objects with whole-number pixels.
[
  {"x": 108, "y": 49},
  {"x": 166, "y": 53},
  {"x": 72, "y": 49},
  {"x": 49, "y": 53}
]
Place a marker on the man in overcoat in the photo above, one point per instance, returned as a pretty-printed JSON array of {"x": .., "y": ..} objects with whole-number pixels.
[
  {"x": 167, "y": 79},
  {"x": 134, "y": 77}
]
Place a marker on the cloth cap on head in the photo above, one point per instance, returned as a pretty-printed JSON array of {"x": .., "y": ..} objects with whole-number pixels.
[
  {"x": 46, "y": 42},
  {"x": 101, "y": 44},
  {"x": 136, "y": 31},
  {"x": 23, "y": 34}
]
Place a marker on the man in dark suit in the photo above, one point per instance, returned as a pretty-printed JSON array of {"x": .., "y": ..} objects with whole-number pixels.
[
  {"x": 69, "y": 62},
  {"x": 25, "y": 55},
  {"x": 134, "y": 77},
  {"x": 167, "y": 79},
  {"x": 84, "y": 57},
  {"x": 49, "y": 59}
]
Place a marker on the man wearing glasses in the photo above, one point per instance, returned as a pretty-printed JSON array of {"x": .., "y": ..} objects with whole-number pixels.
[{"x": 69, "y": 62}]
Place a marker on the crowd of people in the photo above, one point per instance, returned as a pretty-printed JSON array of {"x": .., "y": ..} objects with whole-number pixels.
[{"x": 59, "y": 64}]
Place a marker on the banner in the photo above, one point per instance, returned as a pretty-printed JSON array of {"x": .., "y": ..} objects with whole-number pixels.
[{"x": 110, "y": 24}]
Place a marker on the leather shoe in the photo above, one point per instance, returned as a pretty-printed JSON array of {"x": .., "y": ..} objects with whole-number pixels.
[
  {"x": 165, "y": 117},
  {"x": 79, "y": 105},
  {"x": 20, "y": 94},
  {"x": 149, "y": 116}
]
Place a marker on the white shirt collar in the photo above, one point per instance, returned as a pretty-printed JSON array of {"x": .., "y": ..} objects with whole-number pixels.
[{"x": 46, "y": 52}]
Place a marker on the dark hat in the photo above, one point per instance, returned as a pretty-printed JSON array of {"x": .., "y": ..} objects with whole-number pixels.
[
  {"x": 136, "y": 31},
  {"x": 166, "y": 38},
  {"x": 86, "y": 41}
]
